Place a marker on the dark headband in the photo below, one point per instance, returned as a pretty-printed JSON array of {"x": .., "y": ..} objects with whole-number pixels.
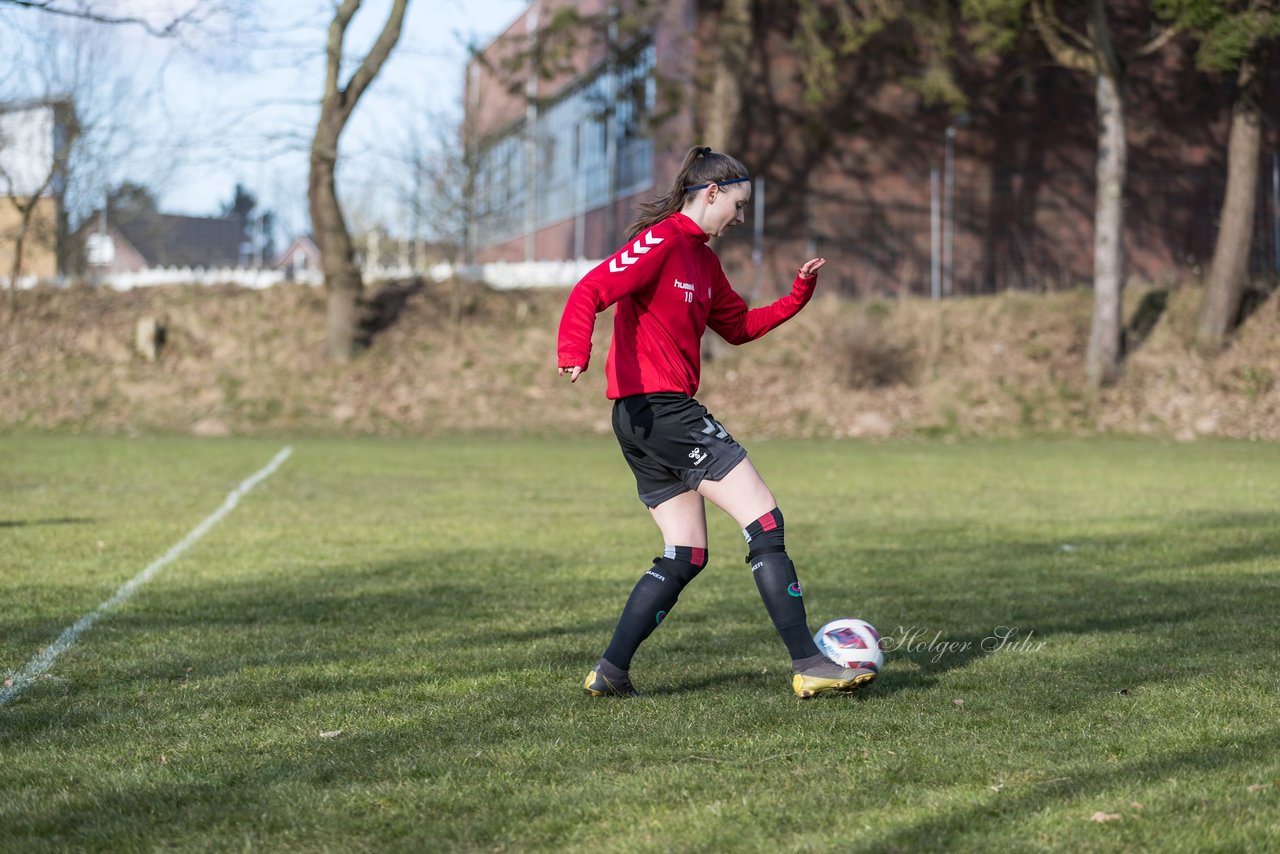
[{"x": 717, "y": 183}]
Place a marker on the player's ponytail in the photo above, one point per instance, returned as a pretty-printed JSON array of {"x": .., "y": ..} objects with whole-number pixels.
[{"x": 701, "y": 166}]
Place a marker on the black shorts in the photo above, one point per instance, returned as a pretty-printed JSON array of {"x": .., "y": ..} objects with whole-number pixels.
[{"x": 672, "y": 443}]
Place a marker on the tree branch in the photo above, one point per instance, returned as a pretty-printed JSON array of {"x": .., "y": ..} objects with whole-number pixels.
[
  {"x": 373, "y": 61},
  {"x": 1082, "y": 41},
  {"x": 1159, "y": 41},
  {"x": 85, "y": 12},
  {"x": 337, "y": 31},
  {"x": 1050, "y": 30}
]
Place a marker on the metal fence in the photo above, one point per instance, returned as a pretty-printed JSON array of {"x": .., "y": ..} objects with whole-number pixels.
[{"x": 1034, "y": 232}]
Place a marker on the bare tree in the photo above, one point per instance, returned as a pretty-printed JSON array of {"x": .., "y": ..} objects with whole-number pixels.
[
  {"x": 1229, "y": 270},
  {"x": 1090, "y": 52},
  {"x": 439, "y": 199},
  {"x": 721, "y": 112},
  {"x": 73, "y": 50},
  {"x": 438, "y": 194},
  {"x": 1235, "y": 37},
  {"x": 341, "y": 275},
  {"x": 86, "y": 10},
  {"x": 26, "y": 198},
  {"x": 75, "y": 67}
]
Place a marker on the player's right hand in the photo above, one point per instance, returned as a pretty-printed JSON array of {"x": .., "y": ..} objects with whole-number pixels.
[
  {"x": 810, "y": 268},
  {"x": 574, "y": 372}
]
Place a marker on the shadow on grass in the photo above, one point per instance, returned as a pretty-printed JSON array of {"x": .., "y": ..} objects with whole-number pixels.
[
  {"x": 31, "y": 523},
  {"x": 1017, "y": 803},
  {"x": 323, "y": 628},
  {"x": 727, "y": 678},
  {"x": 1075, "y": 585},
  {"x": 454, "y": 606},
  {"x": 391, "y": 633}
]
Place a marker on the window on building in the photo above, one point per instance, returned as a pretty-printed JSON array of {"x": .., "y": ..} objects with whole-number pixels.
[
  {"x": 570, "y": 149},
  {"x": 500, "y": 189},
  {"x": 592, "y": 149},
  {"x": 635, "y": 100},
  {"x": 557, "y": 179}
]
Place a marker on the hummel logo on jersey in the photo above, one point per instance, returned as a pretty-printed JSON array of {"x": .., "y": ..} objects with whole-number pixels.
[
  {"x": 640, "y": 247},
  {"x": 698, "y": 456},
  {"x": 686, "y": 286}
]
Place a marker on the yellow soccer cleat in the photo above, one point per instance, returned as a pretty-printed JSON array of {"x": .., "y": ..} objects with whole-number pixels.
[
  {"x": 597, "y": 685},
  {"x": 810, "y": 685}
]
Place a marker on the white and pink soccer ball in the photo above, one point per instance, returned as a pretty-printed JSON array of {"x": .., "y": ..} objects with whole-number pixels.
[{"x": 851, "y": 643}]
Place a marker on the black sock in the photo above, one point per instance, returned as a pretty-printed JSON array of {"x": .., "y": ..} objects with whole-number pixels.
[
  {"x": 652, "y": 598},
  {"x": 775, "y": 577}
]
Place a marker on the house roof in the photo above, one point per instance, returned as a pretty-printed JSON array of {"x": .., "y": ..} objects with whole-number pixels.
[
  {"x": 302, "y": 241},
  {"x": 168, "y": 240}
]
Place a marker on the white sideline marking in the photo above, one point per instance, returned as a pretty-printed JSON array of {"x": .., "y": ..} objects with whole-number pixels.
[{"x": 42, "y": 662}]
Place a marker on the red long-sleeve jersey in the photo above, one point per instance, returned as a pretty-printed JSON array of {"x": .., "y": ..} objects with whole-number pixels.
[{"x": 669, "y": 287}]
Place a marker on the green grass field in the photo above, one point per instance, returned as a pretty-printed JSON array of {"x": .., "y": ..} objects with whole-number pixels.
[{"x": 438, "y": 603}]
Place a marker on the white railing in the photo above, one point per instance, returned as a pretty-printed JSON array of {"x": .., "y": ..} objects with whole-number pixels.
[
  {"x": 529, "y": 274},
  {"x": 152, "y": 276},
  {"x": 24, "y": 282},
  {"x": 500, "y": 275}
]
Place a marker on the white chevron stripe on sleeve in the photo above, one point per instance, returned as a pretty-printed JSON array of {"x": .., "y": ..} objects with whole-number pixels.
[{"x": 623, "y": 261}]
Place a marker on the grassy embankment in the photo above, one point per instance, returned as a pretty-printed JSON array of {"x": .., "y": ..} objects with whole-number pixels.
[{"x": 252, "y": 362}]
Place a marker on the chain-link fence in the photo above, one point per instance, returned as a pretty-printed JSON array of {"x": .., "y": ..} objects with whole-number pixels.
[{"x": 1019, "y": 231}]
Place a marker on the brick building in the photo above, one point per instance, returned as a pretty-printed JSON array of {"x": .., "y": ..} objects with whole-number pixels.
[{"x": 873, "y": 178}]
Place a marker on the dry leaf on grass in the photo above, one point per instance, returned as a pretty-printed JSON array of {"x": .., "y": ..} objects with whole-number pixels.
[
  {"x": 334, "y": 733},
  {"x": 958, "y": 702},
  {"x": 1257, "y": 787},
  {"x": 1101, "y": 816}
]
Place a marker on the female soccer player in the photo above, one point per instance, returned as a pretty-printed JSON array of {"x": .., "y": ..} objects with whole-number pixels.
[{"x": 669, "y": 287}]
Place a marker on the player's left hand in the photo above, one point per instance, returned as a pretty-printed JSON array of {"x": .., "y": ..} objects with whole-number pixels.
[
  {"x": 573, "y": 372},
  {"x": 810, "y": 268}
]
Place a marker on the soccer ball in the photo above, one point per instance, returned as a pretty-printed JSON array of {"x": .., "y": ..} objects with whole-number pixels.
[{"x": 851, "y": 643}]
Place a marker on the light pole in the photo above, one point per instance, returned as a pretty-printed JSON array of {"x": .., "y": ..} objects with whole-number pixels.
[
  {"x": 757, "y": 247},
  {"x": 1275, "y": 205},
  {"x": 935, "y": 265},
  {"x": 948, "y": 203},
  {"x": 949, "y": 182}
]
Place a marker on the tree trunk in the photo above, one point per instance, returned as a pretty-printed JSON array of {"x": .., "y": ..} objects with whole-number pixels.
[
  {"x": 337, "y": 255},
  {"x": 722, "y": 110},
  {"x": 25, "y": 213},
  {"x": 1102, "y": 362},
  {"x": 16, "y": 270},
  {"x": 1229, "y": 272},
  {"x": 342, "y": 278}
]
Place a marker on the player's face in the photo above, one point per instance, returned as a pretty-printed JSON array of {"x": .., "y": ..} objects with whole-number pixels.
[{"x": 728, "y": 208}]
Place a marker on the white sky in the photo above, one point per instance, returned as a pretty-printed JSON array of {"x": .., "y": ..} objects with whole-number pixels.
[{"x": 238, "y": 101}]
